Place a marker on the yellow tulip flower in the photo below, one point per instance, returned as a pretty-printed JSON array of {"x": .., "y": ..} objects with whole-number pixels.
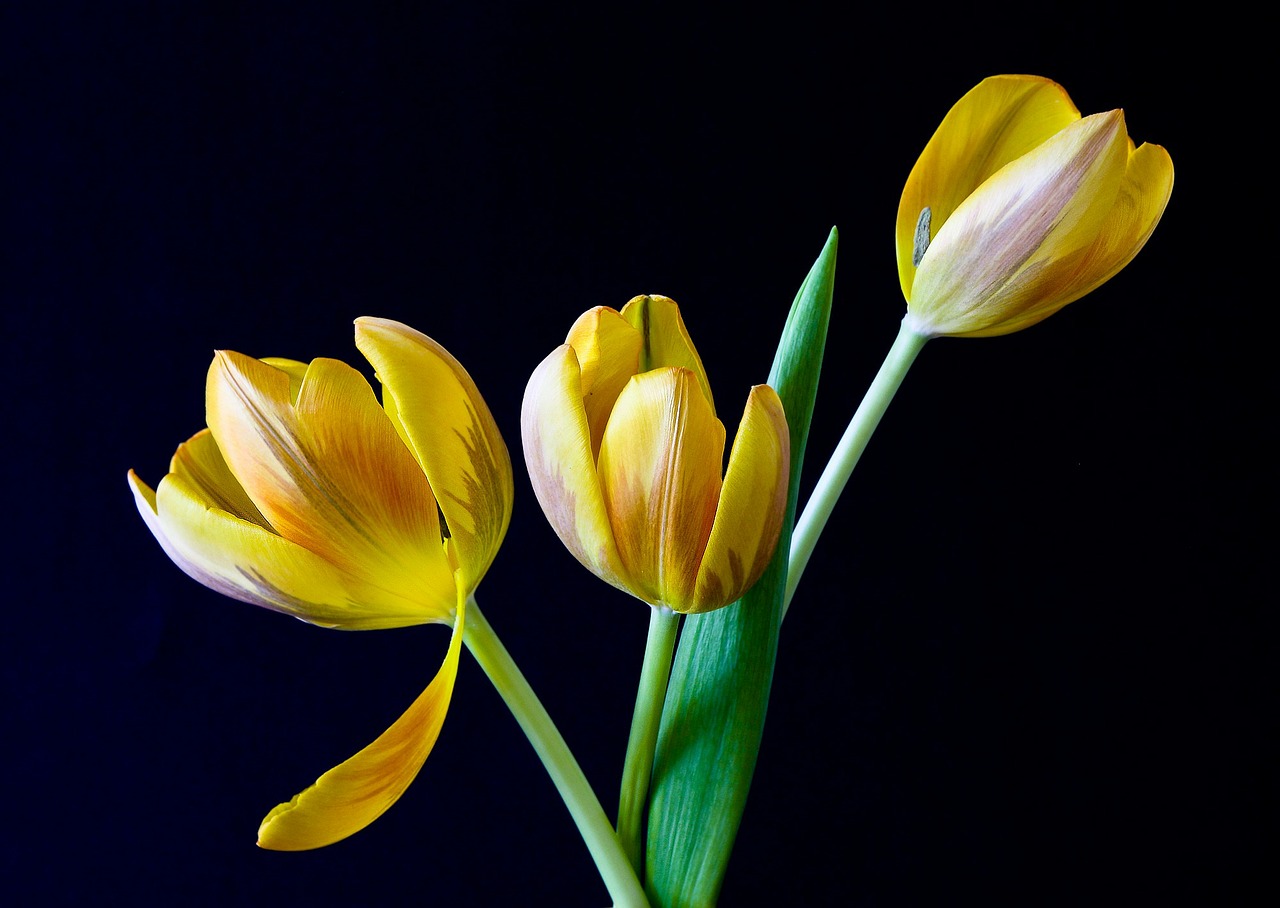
[
  {"x": 1018, "y": 206},
  {"x": 625, "y": 454},
  {"x": 307, "y": 497}
]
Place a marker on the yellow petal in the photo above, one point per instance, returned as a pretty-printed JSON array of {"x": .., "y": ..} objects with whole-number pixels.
[
  {"x": 296, "y": 371},
  {"x": 998, "y": 259},
  {"x": 356, "y": 792},
  {"x": 996, "y": 122},
  {"x": 666, "y": 340},
  {"x": 199, "y": 461},
  {"x": 330, "y": 474},
  {"x": 452, "y": 434},
  {"x": 1144, "y": 193},
  {"x": 213, "y": 540},
  {"x": 752, "y": 504},
  {"x": 608, "y": 351},
  {"x": 562, "y": 467},
  {"x": 660, "y": 476}
]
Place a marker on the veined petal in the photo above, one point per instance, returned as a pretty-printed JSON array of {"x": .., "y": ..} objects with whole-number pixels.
[
  {"x": 330, "y": 474},
  {"x": 660, "y": 477},
  {"x": 608, "y": 350},
  {"x": 752, "y": 504},
  {"x": 452, "y": 433},
  {"x": 1144, "y": 193},
  {"x": 666, "y": 340},
  {"x": 249, "y": 562},
  {"x": 996, "y": 122},
  {"x": 200, "y": 462},
  {"x": 996, "y": 255},
  {"x": 356, "y": 792},
  {"x": 562, "y": 467}
]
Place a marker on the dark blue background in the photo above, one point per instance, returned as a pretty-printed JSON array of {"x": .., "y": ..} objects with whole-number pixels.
[{"x": 1028, "y": 665}]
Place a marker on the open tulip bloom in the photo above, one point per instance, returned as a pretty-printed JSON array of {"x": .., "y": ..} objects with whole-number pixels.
[{"x": 307, "y": 496}]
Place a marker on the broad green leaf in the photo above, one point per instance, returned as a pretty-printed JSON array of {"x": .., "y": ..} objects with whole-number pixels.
[{"x": 719, "y": 690}]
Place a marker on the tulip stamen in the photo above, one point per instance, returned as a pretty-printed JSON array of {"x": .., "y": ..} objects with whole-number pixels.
[{"x": 922, "y": 237}]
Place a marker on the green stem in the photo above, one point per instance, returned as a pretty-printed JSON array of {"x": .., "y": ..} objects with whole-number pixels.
[
  {"x": 578, "y": 796},
  {"x": 836, "y": 474},
  {"x": 650, "y": 698}
]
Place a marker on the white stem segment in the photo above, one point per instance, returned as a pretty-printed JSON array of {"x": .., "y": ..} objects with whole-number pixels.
[
  {"x": 831, "y": 483},
  {"x": 619, "y": 878}
]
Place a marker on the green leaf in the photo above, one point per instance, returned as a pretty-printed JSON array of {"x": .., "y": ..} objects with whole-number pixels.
[{"x": 719, "y": 690}]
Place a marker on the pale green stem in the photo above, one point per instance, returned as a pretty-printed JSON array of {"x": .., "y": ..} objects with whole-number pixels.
[
  {"x": 654, "y": 673},
  {"x": 593, "y": 824},
  {"x": 836, "y": 474}
]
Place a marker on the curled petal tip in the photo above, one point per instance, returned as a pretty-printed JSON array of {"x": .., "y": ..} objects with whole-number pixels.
[{"x": 357, "y": 791}]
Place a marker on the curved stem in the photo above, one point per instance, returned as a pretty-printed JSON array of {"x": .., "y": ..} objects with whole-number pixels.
[
  {"x": 854, "y": 441},
  {"x": 654, "y": 674},
  {"x": 615, "y": 869}
]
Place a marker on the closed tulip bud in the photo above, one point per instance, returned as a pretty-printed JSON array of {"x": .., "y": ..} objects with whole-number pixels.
[
  {"x": 1018, "y": 206},
  {"x": 625, "y": 454}
]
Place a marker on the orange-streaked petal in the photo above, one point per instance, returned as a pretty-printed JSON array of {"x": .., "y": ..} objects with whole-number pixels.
[
  {"x": 562, "y": 468},
  {"x": 660, "y": 476},
  {"x": 453, "y": 436},
  {"x": 666, "y": 340},
  {"x": 608, "y": 351},
  {"x": 357, "y": 791},
  {"x": 330, "y": 474},
  {"x": 996, "y": 122},
  {"x": 997, "y": 257},
  {"x": 249, "y": 562},
  {"x": 1144, "y": 193},
  {"x": 752, "y": 504}
]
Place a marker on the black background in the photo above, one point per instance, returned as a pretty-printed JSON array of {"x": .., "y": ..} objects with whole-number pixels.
[{"x": 1028, "y": 664}]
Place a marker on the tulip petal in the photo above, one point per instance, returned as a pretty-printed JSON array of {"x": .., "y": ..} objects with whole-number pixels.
[
  {"x": 199, "y": 461},
  {"x": 330, "y": 474},
  {"x": 1144, "y": 193},
  {"x": 666, "y": 340},
  {"x": 296, "y": 371},
  {"x": 752, "y": 504},
  {"x": 562, "y": 467},
  {"x": 451, "y": 433},
  {"x": 660, "y": 474},
  {"x": 211, "y": 530},
  {"x": 999, "y": 259},
  {"x": 608, "y": 350},
  {"x": 996, "y": 122},
  {"x": 357, "y": 791}
]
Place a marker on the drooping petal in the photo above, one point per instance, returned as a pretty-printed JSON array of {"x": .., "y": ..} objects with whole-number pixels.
[
  {"x": 996, "y": 256},
  {"x": 753, "y": 502},
  {"x": 666, "y": 340},
  {"x": 330, "y": 474},
  {"x": 357, "y": 791},
  {"x": 608, "y": 350},
  {"x": 660, "y": 476},
  {"x": 452, "y": 434},
  {"x": 996, "y": 122},
  {"x": 562, "y": 467},
  {"x": 206, "y": 531}
]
